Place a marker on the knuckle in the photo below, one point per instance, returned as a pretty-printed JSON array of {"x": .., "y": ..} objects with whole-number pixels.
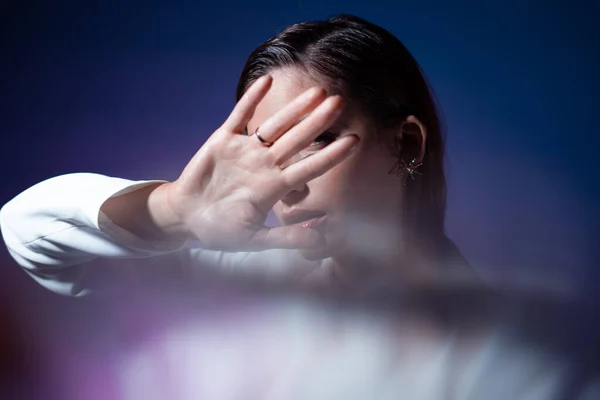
[
  {"x": 325, "y": 160},
  {"x": 233, "y": 144},
  {"x": 270, "y": 159},
  {"x": 247, "y": 97},
  {"x": 217, "y": 139},
  {"x": 288, "y": 181},
  {"x": 330, "y": 160}
]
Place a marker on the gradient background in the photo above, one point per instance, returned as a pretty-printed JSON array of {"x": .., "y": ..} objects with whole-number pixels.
[{"x": 133, "y": 89}]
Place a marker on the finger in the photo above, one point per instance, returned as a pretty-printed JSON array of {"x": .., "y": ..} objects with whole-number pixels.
[
  {"x": 288, "y": 116},
  {"x": 319, "y": 163},
  {"x": 244, "y": 109},
  {"x": 299, "y": 137},
  {"x": 286, "y": 237}
]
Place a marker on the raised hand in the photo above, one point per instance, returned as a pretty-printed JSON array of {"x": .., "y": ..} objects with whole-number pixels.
[{"x": 225, "y": 192}]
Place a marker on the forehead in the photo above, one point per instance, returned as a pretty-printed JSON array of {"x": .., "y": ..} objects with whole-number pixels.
[{"x": 287, "y": 85}]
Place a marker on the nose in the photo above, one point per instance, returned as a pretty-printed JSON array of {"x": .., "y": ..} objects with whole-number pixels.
[{"x": 296, "y": 195}]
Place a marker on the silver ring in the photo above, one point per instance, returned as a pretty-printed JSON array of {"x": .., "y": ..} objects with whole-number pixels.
[{"x": 262, "y": 141}]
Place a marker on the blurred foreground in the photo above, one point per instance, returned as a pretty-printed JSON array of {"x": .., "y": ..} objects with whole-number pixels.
[{"x": 226, "y": 340}]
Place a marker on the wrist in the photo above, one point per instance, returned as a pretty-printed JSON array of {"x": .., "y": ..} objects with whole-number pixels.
[{"x": 167, "y": 223}]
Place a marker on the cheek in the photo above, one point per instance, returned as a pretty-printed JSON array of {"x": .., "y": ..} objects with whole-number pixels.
[
  {"x": 359, "y": 185},
  {"x": 366, "y": 186},
  {"x": 331, "y": 189}
]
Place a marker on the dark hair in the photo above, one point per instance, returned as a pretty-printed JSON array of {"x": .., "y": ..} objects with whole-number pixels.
[{"x": 370, "y": 67}]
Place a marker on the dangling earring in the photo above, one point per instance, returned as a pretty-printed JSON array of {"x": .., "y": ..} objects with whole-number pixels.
[{"x": 403, "y": 170}]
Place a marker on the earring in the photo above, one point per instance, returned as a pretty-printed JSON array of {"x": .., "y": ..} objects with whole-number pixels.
[{"x": 403, "y": 170}]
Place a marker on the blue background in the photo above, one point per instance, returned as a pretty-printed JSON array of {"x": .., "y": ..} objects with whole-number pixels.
[{"x": 133, "y": 89}]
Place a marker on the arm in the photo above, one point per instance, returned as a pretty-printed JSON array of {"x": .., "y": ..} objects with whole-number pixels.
[
  {"x": 56, "y": 231},
  {"x": 61, "y": 227},
  {"x": 83, "y": 232}
]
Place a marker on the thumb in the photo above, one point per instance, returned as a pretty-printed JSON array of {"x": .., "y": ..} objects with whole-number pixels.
[{"x": 286, "y": 237}]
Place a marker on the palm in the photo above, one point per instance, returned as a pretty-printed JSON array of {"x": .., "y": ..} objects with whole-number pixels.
[
  {"x": 228, "y": 226},
  {"x": 226, "y": 191}
]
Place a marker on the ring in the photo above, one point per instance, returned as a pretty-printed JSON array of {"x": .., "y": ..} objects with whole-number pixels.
[{"x": 262, "y": 141}]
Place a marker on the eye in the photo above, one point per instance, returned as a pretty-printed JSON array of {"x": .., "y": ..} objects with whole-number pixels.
[{"x": 324, "y": 139}]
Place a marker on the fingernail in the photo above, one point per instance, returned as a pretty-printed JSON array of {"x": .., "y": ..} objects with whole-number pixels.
[
  {"x": 315, "y": 91},
  {"x": 264, "y": 78},
  {"x": 356, "y": 142},
  {"x": 337, "y": 112}
]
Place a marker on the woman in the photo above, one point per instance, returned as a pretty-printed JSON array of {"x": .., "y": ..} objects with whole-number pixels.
[{"x": 343, "y": 143}]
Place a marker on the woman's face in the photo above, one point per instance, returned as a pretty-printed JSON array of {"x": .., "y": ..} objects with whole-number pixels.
[{"x": 360, "y": 203}]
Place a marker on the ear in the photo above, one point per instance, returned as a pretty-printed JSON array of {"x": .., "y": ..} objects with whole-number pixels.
[{"x": 412, "y": 136}]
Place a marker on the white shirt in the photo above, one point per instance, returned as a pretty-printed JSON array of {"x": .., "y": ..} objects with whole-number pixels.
[{"x": 57, "y": 233}]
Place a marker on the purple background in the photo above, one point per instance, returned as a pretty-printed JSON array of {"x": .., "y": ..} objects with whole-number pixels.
[{"x": 133, "y": 89}]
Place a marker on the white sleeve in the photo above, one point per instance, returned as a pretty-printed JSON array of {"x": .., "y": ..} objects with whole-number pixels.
[{"x": 56, "y": 232}]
